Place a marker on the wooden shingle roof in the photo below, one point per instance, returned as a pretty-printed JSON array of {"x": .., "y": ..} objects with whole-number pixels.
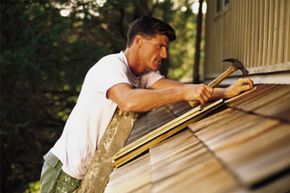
[{"x": 243, "y": 147}]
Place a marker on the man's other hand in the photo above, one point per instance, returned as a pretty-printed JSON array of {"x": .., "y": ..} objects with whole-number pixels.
[{"x": 239, "y": 86}]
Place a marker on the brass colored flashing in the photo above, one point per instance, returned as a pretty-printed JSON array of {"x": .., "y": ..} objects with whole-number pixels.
[{"x": 151, "y": 139}]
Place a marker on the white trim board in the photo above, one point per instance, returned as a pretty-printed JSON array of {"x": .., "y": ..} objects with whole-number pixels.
[{"x": 273, "y": 78}]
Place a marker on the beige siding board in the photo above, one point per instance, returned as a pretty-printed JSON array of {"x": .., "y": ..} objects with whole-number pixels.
[
  {"x": 256, "y": 37},
  {"x": 260, "y": 35},
  {"x": 228, "y": 31},
  {"x": 247, "y": 26},
  {"x": 242, "y": 30},
  {"x": 270, "y": 32},
  {"x": 287, "y": 35},
  {"x": 281, "y": 31},
  {"x": 253, "y": 31},
  {"x": 240, "y": 20},
  {"x": 231, "y": 31},
  {"x": 220, "y": 45},
  {"x": 236, "y": 26},
  {"x": 275, "y": 36},
  {"x": 217, "y": 46},
  {"x": 248, "y": 34},
  {"x": 226, "y": 35},
  {"x": 265, "y": 34},
  {"x": 233, "y": 18},
  {"x": 235, "y": 31},
  {"x": 238, "y": 34}
]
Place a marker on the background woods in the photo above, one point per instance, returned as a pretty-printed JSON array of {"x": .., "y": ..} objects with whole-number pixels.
[{"x": 46, "y": 49}]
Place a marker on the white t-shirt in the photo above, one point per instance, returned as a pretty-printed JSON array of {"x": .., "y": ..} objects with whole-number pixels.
[{"x": 94, "y": 111}]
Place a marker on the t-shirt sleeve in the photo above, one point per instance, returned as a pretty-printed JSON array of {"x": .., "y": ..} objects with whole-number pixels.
[
  {"x": 105, "y": 74},
  {"x": 150, "y": 78}
]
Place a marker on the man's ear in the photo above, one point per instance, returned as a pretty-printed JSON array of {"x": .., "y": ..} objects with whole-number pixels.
[{"x": 138, "y": 40}]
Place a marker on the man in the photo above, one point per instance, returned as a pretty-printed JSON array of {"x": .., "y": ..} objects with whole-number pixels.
[{"x": 129, "y": 80}]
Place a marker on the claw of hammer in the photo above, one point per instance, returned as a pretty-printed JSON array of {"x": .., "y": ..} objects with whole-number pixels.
[{"x": 239, "y": 65}]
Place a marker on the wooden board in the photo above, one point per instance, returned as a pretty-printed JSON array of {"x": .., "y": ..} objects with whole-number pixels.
[
  {"x": 134, "y": 177},
  {"x": 113, "y": 140},
  {"x": 267, "y": 100},
  {"x": 254, "y": 148},
  {"x": 183, "y": 164}
]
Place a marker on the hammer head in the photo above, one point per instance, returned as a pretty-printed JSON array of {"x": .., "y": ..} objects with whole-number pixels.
[{"x": 238, "y": 65}]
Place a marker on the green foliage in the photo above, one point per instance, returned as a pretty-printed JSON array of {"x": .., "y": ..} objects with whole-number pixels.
[
  {"x": 33, "y": 187},
  {"x": 182, "y": 51},
  {"x": 44, "y": 58}
]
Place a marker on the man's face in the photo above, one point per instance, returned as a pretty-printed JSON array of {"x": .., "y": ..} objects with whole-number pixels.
[{"x": 153, "y": 51}]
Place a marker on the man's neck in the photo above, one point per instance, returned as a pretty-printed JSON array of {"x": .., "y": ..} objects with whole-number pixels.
[{"x": 132, "y": 59}]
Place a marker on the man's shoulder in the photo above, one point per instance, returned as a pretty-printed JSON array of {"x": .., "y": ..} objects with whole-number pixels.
[
  {"x": 110, "y": 62},
  {"x": 112, "y": 57}
]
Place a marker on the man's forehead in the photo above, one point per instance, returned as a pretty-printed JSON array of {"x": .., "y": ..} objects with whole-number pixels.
[{"x": 161, "y": 39}]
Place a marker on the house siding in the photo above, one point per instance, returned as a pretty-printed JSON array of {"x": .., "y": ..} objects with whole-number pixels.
[{"x": 254, "y": 32}]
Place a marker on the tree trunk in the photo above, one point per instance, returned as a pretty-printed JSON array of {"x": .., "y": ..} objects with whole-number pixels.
[{"x": 196, "y": 78}]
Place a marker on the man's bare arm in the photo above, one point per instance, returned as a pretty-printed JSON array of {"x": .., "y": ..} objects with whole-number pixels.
[
  {"x": 166, "y": 91},
  {"x": 236, "y": 88},
  {"x": 141, "y": 100},
  {"x": 166, "y": 83}
]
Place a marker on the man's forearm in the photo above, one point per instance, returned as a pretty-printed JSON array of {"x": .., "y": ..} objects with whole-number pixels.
[{"x": 142, "y": 100}]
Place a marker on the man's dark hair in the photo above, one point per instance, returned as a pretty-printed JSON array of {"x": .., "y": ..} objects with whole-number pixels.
[{"x": 149, "y": 26}]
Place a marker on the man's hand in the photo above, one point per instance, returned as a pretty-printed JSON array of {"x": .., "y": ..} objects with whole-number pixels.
[
  {"x": 198, "y": 92},
  {"x": 239, "y": 86}
]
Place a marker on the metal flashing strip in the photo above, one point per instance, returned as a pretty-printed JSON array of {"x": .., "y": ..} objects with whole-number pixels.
[{"x": 163, "y": 132}]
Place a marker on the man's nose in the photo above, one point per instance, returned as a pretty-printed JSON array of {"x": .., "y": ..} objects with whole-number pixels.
[{"x": 163, "y": 53}]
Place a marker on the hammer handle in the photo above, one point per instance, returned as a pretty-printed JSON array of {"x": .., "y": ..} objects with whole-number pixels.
[
  {"x": 222, "y": 76},
  {"x": 216, "y": 81}
]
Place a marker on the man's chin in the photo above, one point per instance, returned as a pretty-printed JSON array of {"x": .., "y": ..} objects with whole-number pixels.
[
  {"x": 152, "y": 69},
  {"x": 156, "y": 67}
]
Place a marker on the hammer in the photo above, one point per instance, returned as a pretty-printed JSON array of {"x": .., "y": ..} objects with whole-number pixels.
[{"x": 236, "y": 64}]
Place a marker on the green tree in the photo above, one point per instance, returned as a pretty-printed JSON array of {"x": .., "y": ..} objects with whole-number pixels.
[{"x": 46, "y": 49}]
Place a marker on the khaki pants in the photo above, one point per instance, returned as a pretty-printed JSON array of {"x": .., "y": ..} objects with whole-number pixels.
[{"x": 53, "y": 179}]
